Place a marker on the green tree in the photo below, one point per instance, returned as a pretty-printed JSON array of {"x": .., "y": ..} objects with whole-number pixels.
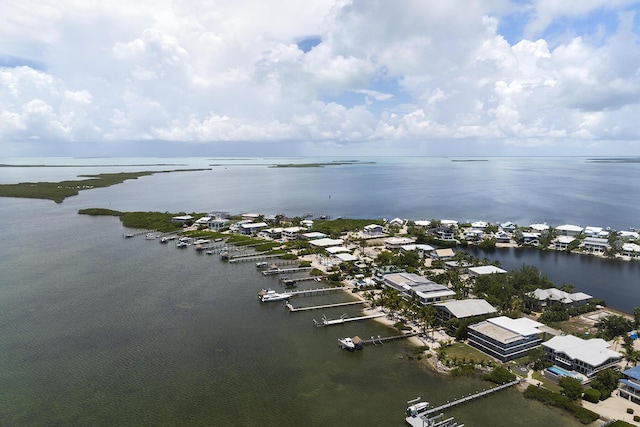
[
  {"x": 606, "y": 381},
  {"x": 571, "y": 387},
  {"x": 636, "y": 317}
]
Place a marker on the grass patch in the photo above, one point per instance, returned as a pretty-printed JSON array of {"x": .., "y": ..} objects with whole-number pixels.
[
  {"x": 546, "y": 383},
  {"x": 462, "y": 351}
]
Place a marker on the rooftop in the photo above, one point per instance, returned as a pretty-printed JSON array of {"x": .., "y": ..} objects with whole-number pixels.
[
  {"x": 468, "y": 307},
  {"x": 594, "y": 351}
]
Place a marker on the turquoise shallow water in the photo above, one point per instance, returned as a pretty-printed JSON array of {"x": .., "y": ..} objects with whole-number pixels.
[{"x": 102, "y": 330}]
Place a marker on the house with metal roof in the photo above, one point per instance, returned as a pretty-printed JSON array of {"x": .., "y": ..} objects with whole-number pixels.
[
  {"x": 629, "y": 386},
  {"x": 547, "y": 297},
  {"x": 373, "y": 230},
  {"x": 446, "y": 253},
  {"x": 576, "y": 354},
  {"x": 505, "y": 338},
  {"x": 595, "y": 245},
  {"x": 561, "y": 243},
  {"x": 630, "y": 250},
  {"x": 464, "y": 309},
  {"x": 569, "y": 230},
  {"x": 483, "y": 270},
  {"x": 398, "y": 242},
  {"x": 409, "y": 284}
]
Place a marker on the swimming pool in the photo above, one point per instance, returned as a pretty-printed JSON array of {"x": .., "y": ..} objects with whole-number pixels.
[{"x": 557, "y": 370}]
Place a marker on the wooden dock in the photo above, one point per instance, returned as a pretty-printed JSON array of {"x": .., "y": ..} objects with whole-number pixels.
[
  {"x": 252, "y": 257},
  {"x": 380, "y": 340},
  {"x": 316, "y": 307},
  {"x": 342, "y": 319},
  {"x": 310, "y": 292},
  {"x": 285, "y": 270},
  {"x": 423, "y": 418}
]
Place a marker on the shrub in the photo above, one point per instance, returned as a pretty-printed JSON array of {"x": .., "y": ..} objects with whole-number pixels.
[
  {"x": 591, "y": 395},
  {"x": 629, "y": 411},
  {"x": 500, "y": 375},
  {"x": 636, "y": 418},
  {"x": 548, "y": 397}
]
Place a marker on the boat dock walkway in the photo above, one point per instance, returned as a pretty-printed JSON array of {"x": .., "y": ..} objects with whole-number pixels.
[
  {"x": 316, "y": 307},
  {"x": 468, "y": 398},
  {"x": 252, "y": 257},
  {"x": 285, "y": 270},
  {"x": 343, "y": 319},
  {"x": 380, "y": 340},
  {"x": 309, "y": 292}
]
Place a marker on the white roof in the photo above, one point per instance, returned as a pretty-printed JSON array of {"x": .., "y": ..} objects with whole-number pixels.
[
  {"x": 474, "y": 231},
  {"x": 346, "y": 257},
  {"x": 592, "y": 230},
  {"x": 396, "y": 221},
  {"x": 629, "y": 234},
  {"x": 594, "y": 351},
  {"x": 487, "y": 269},
  {"x": 630, "y": 247},
  {"x": 422, "y": 223},
  {"x": 372, "y": 227},
  {"x": 399, "y": 240},
  {"x": 414, "y": 247},
  {"x": 292, "y": 229},
  {"x": 522, "y": 326},
  {"x": 555, "y": 294},
  {"x": 254, "y": 225},
  {"x": 598, "y": 241},
  {"x": 448, "y": 222},
  {"x": 468, "y": 307},
  {"x": 326, "y": 242},
  {"x": 203, "y": 220},
  {"x": 314, "y": 235},
  {"x": 539, "y": 227},
  {"x": 337, "y": 249},
  {"x": 479, "y": 224},
  {"x": 565, "y": 239},
  {"x": 569, "y": 227}
]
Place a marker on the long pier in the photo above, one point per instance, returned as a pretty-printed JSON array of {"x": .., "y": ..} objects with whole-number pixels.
[
  {"x": 285, "y": 270},
  {"x": 471, "y": 397},
  {"x": 343, "y": 319},
  {"x": 316, "y": 307},
  {"x": 380, "y": 340},
  {"x": 308, "y": 292},
  {"x": 253, "y": 257}
]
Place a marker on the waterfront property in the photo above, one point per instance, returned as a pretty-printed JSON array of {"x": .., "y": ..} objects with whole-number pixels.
[
  {"x": 596, "y": 245},
  {"x": 443, "y": 254},
  {"x": 561, "y": 243},
  {"x": 409, "y": 284},
  {"x": 630, "y": 385},
  {"x": 505, "y": 338},
  {"x": 569, "y": 230},
  {"x": 398, "y": 242},
  {"x": 584, "y": 356},
  {"x": 422, "y": 250},
  {"x": 547, "y": 297},
  {"x": 464, "y": 309},
  {"x": 631, "y": 250},
  {"x": 483, "y": 270}
]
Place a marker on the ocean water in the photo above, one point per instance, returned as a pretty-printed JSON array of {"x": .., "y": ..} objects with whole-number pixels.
[{"x": 102, "y": 330}]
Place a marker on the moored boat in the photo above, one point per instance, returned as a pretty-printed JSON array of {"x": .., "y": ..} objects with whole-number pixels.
[
  {"x": 347, "y": 343},
  {"x": 266, "y": 295}
]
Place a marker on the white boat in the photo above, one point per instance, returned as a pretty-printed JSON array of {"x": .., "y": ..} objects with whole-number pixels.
[
  {"x": 150, "y": 236},
  {"x": 182, "y": 245},
  {"x": 267, "y": 295},
  {"x": 347, "y": 343},
  {"x": 261, "y": 264}
]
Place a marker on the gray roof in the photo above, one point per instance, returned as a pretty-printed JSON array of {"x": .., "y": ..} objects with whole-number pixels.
[
  {"x": 594, "y": 352},
  {"x": 555, "y": 294},
  {"x": 468, "y": 307}
]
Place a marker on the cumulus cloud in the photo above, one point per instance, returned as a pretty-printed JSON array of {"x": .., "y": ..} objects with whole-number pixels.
[{"x": 376, "y": 72}]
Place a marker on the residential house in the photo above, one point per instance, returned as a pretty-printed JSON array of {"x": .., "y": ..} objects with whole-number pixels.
[
  {"x": 409, "y": 284},
  {"x": 629, "y": 235},
  {"x": 443, "y": 254},
  {"x": 249, "y": 228},
  {"x": 547, "y": 297},
  {"x": 422, "y": 250},
  {"x": 397, "y": 242},
  {"x": 503, "y": 237},
  {"x": 313, "y": 235},
  {"x": 561, "y": 243},
  {"x": 218, "y": 223},
  {"x": 595, "y": 245},
  {"x": 373, "y": 230},
  {"x": 443, "y": 233},
  {"x": 505, "y": 338},
  {"x": 272, "y": 233},
  {"x": 397, "y": 221},
  {"x": 508, "y": 226},
  {"x": 464, "y": 309},
  {"x": 539, "y": 227},
  {"x": 630, "y": 250},
  {"x": 583, "y": 356},
  {"x": 530, "y": 238},
  {"x": 202, "y": 221},
  {"x": 479, "y": 224},
  {"x": 326, "y": 242},
  {"x": 449, "y": 223},
  {"x": 422, "y": 223},
  {"x": 291, "y": 233},
  {"x": 590, "y": 231},
  {"x": 483, "y": 270},
  {"x": 249, "y": 216},
  {"x": 181, "y": 219},
  {"x": 630, "y": 385},
  {"x": 569, "y": 230},
  {"x": 474, "y": 234}
]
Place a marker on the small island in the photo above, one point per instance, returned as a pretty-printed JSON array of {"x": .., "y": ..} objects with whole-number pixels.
[{"x": 58, "y": 191}]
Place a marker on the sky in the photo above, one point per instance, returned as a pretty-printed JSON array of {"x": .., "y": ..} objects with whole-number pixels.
[{"x": 319, "y": 77}]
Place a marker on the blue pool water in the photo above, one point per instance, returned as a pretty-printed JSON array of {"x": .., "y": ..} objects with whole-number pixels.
[{"x": 562, "y": 372}]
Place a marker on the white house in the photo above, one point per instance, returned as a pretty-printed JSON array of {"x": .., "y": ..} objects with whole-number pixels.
[
  {"x": 427, "y": 291},
  {"x": 561, "y": 243},
  {"x": 463, "y": 309},
  {"x": 398, "y": 242},
  {"x": 546, "y": 297},
  {"x": 629, "y": 235},
  {"x": 531, "y": 238},
  {"x": 584, "y": 356},
  {"x": 474, "y": 234},
  {"x": 252, "y": 227},
  {"x": 595, "y": 245},
  {"x": 631, "y": 250},
  {"x": 508, "y": 226},
  {"x": 373, "y": 230},
  {"x": 479, "y": 224},
  {"x": 539, "y": 227},
  {"x": 505, "y": 338},
  {"x": 483, "y": 270},
  {"x": 218, "y": 223},
  {"x": 569, "y": 230},
  {"x": 291, "y": 233},
  {"x": 181, "y": 219}
]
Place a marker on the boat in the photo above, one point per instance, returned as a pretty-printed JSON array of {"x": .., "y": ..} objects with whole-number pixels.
[
  {"x": 347, "y": 343},
  {"x": 209, "y": 252},
  {"x": 164, "y": 240},
  {"x": 182, "y": 245},
  {"x": 289, "y": 283},
  {"x": 128, "y": 235},
  {"x": 218, "y": 239},
  {"x": 261, "y": 264},
  {"x": 150, "y": 236},
  {"x": 267, "y": 295}
]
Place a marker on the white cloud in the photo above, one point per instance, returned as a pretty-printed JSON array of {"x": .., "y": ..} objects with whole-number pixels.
[{"x": 383, "y": 71}]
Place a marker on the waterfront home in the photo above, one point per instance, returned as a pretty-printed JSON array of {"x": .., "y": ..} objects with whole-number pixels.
[
  {"x": 308, "y": 223},
  {"x": 508, "y": 226},
  {"x": 590, "y": 231},
  {"x": 629, "y": 235},
  {"x": 345, "y": 257},
  {"x": 422, "y": 250},
  {"x": 464, "y": 309},
  {"x": 569, "y": 230},
  {"x": 630, "y": 385},
  {"x": 443, "y": 254},
  {"x": 249, "y": 228},
  {"x": 181, "y": 219},
  {"x": 547, "y": 297},
  {"x": 443, "y": 233},
  {"x": 217, "y": 223},
  {"x": 397, "y": 221},
  {"x": 204, "y": 221},
  {"x": 326, "y": 242},
  {"x": 483, "y": 270},
  {"x": 474, "y": 234},
  {"x": 584, "y": 356},
  {"x": 272, "y": 233},
  {"x": 249, "y": 216},
  {"x": 422, "y": 223},
  {"x": 505, "y": 338},
  {"x": 373, "y": 230},
  {"x": 409, "y": 284},
  {"x": 313, "y": 235},
  {"x": 539, "y": 227},
  {"x": 449, "y": 223},
  {"x": 595, "y": 245},
  {"x": 503, "y": 237},
  {"x": 561, "y": 243},
  {"x": 479, "y": 224},
  {"x": 291, "y": 233},
  {"x": 529, "y": 238},
  {"x": 630, "y": 250},
  {"x": 397, "y": 242}
]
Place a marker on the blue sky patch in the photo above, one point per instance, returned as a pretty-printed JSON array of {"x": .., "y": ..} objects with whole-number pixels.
[
  {"x": 10, "y": 61},
  {"x": 309, "y": 43}
]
